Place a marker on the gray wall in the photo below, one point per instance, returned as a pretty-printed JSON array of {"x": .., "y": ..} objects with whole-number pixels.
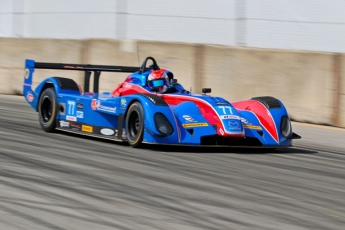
[{"x": 293, "y": 24}]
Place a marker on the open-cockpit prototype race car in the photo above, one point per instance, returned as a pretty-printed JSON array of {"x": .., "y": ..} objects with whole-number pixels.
[{"x": 151, "y": 107}]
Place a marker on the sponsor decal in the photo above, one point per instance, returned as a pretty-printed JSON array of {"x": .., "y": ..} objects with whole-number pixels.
[
  {"x": 244, "y": 121},
  {"x": 222, "y": 103},
  {"x": 127, "y": 86},
  {"x": 86, "y": 128},
  {"x": 64, "y": 124},
  {"x": 123, "y": 102},
  {"x": 221, "y": 131},
  {"x": 73, "y": 67},
  {"x": 107, "y": 108},
  {"x": 189, "y": 118},
  {"x": 192, "y": 125},
  {"x": 79, "y": 106},
  {"x": 30, "y": 97},
  {"x": 80, "y": 114},
  {"x": 27, "y": 73},
  {"x": 107, "y": 132},
  {"x": 252, "y": 127},
  {"x": 234, "y": 125},
  {"x": 223, "y": 117},
  {"x": 75, "y": 126},
  {"x": 151, "y": 99},
  {"x": 71, "y": 118},
  {"x": 96, "y": 105}
]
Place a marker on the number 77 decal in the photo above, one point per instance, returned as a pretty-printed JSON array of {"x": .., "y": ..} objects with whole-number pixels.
[
  {"x": 225, "y": 109},
  {"x": 71, "y": 106}
]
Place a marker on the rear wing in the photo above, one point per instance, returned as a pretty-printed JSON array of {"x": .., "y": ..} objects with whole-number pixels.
[{"x": 31, "y": 65}]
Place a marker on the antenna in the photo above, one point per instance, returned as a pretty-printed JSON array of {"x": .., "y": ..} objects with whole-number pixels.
[{"x": 138, "y": 55}]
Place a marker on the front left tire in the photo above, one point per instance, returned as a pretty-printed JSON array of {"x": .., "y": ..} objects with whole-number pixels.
[
  {"x": 135, "y": 125},
  {"x": 47, "y": 110}
]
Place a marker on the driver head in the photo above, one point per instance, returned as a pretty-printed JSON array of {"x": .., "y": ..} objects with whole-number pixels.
[{"x": 158, "y": 79}]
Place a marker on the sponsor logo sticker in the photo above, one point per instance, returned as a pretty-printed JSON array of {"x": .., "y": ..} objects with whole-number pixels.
[
  {"x": 30, "y": 97},
  {"x": 194, "y": 125},
  {"x": 106, "y": 108},
  {"x": 94, "y": 104},
  {"x": 222, "y": 103},
  {"x": 71, "y": 118},
  {"x": 64, "y": 124},
  {"x": 189, "y": 118},
  {"x": 75, "y": 126},
  {"x": 229, "y": 117},
  {"x": 124, "y": 133},
  {"x": 86, "y": 128},
  {"x": 80, "y": 106},
  {"x": 151, "y": 99},
  {"x": 244, "y": 121},
  {"x": 234, "y": 125},
  {"x": 123, "y": 102},
  {"x": 27, "y": 73},
  {"x": 80, "y": 114},
  {"x": 252, "y": 127},
  {"x": 107, "y": 132}
]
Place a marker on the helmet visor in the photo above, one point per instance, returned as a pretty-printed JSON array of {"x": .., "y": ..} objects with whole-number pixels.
[{"x": 157, "y": 83}]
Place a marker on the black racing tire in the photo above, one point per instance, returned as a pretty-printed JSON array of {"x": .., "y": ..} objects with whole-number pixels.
[
  {"x": 47, "y": 110},
  {"x": 135, "y": 125}
]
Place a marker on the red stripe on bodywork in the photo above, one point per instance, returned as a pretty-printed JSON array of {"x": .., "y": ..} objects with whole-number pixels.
[
  {"x": 207, "y": 111},
  {"x": 262, "y": 113}
]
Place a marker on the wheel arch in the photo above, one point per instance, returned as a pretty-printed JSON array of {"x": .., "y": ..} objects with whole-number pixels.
[
  {"x": 151, "y": 105},
  {"x": 269, "y": 112},
  {"x": 39, "y": 90},
  {"x": 60, "y": 85}
]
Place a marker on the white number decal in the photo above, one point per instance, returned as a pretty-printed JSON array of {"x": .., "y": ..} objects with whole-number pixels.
[
  {"x": 71, "y": 106},
  {"x": 225, "y": 109}
]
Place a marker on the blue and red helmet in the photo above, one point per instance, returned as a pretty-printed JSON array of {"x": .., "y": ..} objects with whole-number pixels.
[{"x": 158, "y": 79}]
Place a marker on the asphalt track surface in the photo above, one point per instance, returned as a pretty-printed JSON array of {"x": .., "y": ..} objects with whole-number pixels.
[{"x": 60, "y": 181}]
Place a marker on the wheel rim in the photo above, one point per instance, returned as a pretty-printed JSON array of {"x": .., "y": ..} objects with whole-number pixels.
[
  {"x": 46, "y": 109},
  {"x": 134, "y": 125}
]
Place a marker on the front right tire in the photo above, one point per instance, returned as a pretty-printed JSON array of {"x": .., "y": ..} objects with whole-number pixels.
[{"x": 47, "y": 110}]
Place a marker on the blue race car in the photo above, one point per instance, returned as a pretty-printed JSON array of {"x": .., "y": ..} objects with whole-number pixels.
[{"x": 151, "y": 107}]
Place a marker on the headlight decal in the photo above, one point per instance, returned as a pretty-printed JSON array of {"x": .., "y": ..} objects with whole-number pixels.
[
  {"x": 285, "y": 127},
  {"x": 163, "y": 125}
]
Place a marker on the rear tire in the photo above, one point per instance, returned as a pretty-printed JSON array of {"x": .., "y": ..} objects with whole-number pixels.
[
  {"x": 47, "y": 110},
  {"x": 135, "y": 125}
]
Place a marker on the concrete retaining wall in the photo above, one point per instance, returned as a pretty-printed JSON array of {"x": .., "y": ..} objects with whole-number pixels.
[{"x": 311, "y": 85}]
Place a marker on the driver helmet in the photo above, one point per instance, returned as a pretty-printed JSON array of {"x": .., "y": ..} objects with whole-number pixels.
[{"x": 158, "y": 79}]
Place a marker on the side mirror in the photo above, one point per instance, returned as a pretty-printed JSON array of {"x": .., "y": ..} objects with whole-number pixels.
[
  {"x": 206, "y": 90},
  {"x": 173, "y": 81}
]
